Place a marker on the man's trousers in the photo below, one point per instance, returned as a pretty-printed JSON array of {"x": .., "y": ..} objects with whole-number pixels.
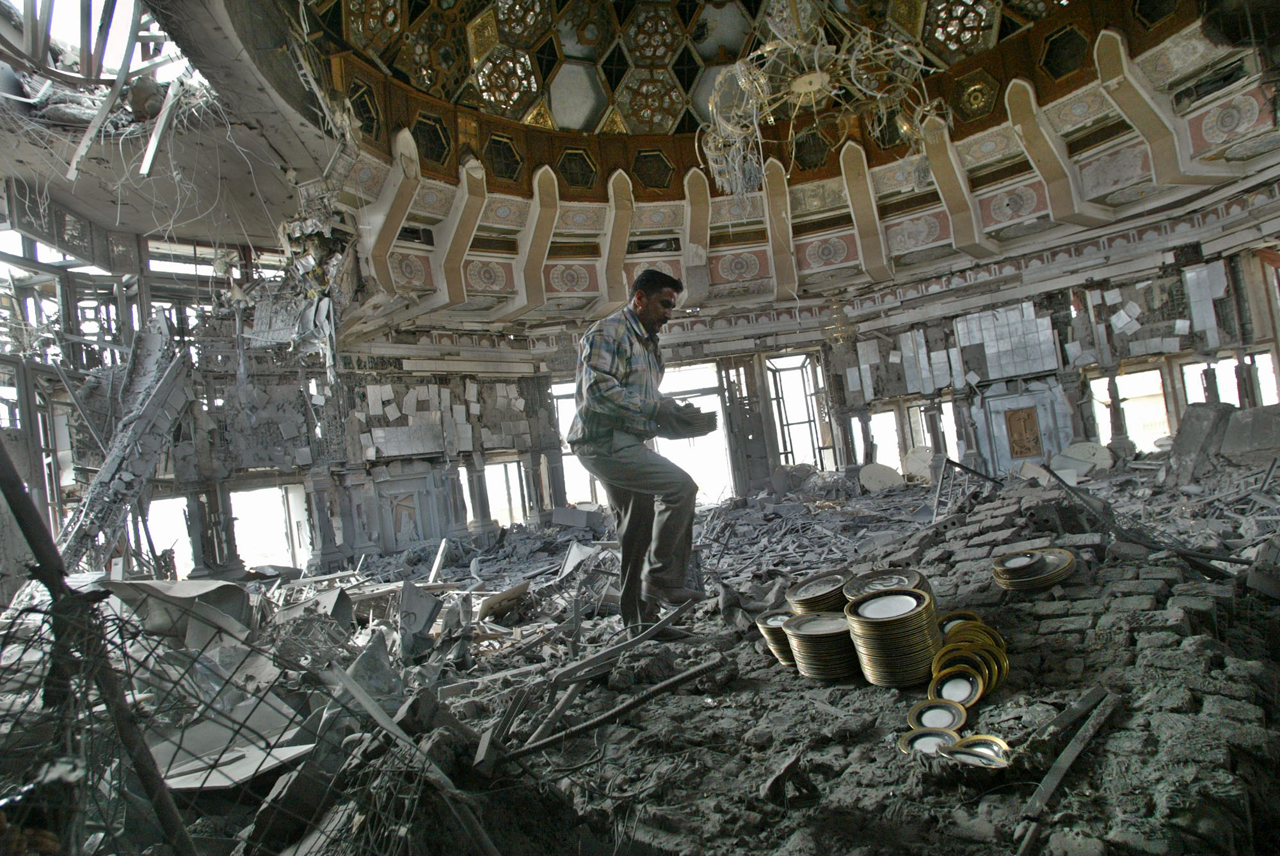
[{"x": 654, "y": 502}]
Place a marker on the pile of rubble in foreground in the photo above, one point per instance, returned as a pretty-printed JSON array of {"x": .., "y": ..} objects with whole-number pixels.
[{"x": 494, "y": 704}]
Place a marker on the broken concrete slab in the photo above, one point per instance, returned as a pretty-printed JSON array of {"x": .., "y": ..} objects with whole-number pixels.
[{"x": 1200, "y": 436}]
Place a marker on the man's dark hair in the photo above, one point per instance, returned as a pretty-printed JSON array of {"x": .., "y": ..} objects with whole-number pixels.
[{"x": 652, "y": 281}]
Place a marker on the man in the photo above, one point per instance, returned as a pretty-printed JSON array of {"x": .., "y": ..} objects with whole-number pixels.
[{"x": 619, "y": 408}]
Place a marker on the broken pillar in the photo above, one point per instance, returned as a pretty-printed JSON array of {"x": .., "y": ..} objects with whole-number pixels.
[
  {"x": 1209, "y": 383},
  {"x": 326, "y": 556},
  {"x": 555, "y": 475},
  {"x": 1201, "y": 436},
  {"x": 456, "y": 501},
  {"x": 1074, "y": 393},
  {"x": 228, "y": 553},
  {"x": 932, "y": 413},
  {"x": 967, "y": 430},
  {"x": 196, "y": 533},
  {"x": 863, "y": 416},
  {"x": 482, "y": 518},
  {"x": 1121, "y": 446},
  {"x": 1248, "y": 391},
  {"x": 531, "y": 474}
]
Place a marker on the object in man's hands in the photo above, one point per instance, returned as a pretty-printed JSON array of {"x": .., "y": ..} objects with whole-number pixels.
[{"x": 690, "y": 422}]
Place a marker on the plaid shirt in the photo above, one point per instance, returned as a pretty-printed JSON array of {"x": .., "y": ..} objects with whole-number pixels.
[{"x": 619, "y": 370}]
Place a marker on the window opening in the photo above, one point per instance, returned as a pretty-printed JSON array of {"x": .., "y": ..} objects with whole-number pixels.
[
  {"x": 1225, "y": 372},
  {"x": 793, "y": 386},
  {"x": 884, "y": 433},
  {"x": 1142, "y": 400},
  {"x": 579, "y": 486},
  {"x": 704, "y": 458}
]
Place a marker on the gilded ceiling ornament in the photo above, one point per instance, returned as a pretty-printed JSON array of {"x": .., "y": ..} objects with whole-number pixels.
[
  {"x": 613, "y": 123},
  {"x": 506, "y": 81},
  {"x": 955, "y": 29},
  {"x": 540, "y": 117},
  {"x": 651, "y": 100},
  {"x": 653, "y": 35},
  {"x": 482, "y": 36},
  {"x": 907, "y": 16},
  {"x": 975, "y": 95}
]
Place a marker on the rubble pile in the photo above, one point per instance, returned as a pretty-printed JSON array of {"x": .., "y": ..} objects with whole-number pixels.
[{"x": 467, "y": 697}]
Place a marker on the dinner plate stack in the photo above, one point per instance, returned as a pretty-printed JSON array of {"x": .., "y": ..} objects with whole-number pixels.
[
  {"x": 821, "y": 593},
  {"x": 881, "y": 580},
  {"x": 770, "y": 624},
  {"x": 821, "y": 645},
  {"x": 1033, "y": 569},
  {"x": 896, "y": 634}
]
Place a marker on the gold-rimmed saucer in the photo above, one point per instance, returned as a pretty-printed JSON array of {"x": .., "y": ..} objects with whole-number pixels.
[{"x": 819, "y": 593}]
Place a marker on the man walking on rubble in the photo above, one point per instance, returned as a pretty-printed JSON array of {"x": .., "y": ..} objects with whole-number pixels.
[{"x": 619, "y": 408}]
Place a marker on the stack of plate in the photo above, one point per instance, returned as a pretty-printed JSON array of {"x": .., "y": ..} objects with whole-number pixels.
[
  {"x": 821, "y": 645},
  {"x": 1033, "y": 569},
  {"x": 821, "y": 593},
  {"x": 971, "y": 663},
  {"x": 881, "y": 580},
  {"x": 770, "y": 624},
  {"x": 896, "y": 634}
]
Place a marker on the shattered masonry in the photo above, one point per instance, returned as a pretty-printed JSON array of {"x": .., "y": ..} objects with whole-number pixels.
[{"x": 1010, "y": 363}]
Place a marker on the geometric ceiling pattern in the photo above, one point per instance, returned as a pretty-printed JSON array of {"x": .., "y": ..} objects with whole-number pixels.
[{"x": 621, "y": 67}]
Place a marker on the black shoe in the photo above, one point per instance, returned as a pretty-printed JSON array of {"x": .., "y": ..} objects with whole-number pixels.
[{"x": 673, "y": 596}]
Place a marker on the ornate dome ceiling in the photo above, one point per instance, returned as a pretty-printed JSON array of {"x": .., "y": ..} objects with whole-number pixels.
[{"x": 623, "y": 67}]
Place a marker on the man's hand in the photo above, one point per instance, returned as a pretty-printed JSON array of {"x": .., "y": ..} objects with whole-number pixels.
[
  {"x": 668, "y": 412},
  {"x": 683, "y": 420}
]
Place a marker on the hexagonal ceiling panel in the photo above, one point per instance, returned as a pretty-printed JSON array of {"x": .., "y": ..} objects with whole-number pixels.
[
  {"x": 578, "y": 98},
  {"x": 506, "y": 82},
  {"x": 586, "y": 28},
  {"x": 650, "y": 101},
  {"x": 523, "y": 23},
  {"x": 653, "y": 35},
  {"x": 700, "y": 97},
  {"x": 501, "y": 56},
  {"x": 719, "y": 32}
]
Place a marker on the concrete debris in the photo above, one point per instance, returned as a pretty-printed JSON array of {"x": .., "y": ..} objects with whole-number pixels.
[
  {"x": 155, "y": 390},
  {"x": 508, "y": 659}
]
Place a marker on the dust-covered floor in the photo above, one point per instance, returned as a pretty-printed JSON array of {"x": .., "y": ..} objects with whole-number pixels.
[{"x": 757, "y": 758}]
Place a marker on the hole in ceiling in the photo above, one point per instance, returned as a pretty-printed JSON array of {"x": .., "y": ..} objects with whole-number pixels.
[{"x": 1065, "y": 51}]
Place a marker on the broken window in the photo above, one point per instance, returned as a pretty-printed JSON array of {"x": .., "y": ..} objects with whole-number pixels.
[
  {"x": 9, "y": 417},
  {"x": 1228, "y": 389},
  {"x": 260, "y": 516},
  {"x": 579, "y": 486},
  {"x": 704, "y": 458},
  {"x": 804, "y": 437},
  {"x": 884, "y": 434},
  {"x": 505, "y": 487},
  {"x": 1142, "y": 400},
  {"x": 167, "y": 522}
]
